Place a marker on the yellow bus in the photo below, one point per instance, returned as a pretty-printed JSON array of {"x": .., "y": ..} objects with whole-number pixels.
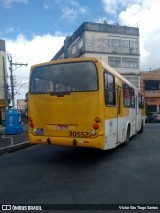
[{"x": 82, "y": 102}]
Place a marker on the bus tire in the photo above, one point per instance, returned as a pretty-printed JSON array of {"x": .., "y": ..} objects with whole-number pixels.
[
  {"x": 141, "y": 130},
  {"x": 127, "y": 136}
]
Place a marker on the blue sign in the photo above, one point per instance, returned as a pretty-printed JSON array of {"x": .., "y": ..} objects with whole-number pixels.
[
  {"x": 40, "y": 131},
  {"x": 13, "y": 122}
]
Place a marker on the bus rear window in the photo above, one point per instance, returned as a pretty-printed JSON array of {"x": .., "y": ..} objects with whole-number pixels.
[{"x": 66, "y": 77}]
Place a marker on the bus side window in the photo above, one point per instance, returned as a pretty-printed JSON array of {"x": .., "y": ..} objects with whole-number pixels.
[
  {"x": 132, "y": 98},
  {"x": 109, "y": 84},
  {"x": 128, "y": 96},
  {"x": 140, "y": 101}
]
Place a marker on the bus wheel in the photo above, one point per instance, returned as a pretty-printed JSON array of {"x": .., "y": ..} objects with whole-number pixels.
[
  {"x": 141, "y": 130},
  {"x": 127, "y": 136}
]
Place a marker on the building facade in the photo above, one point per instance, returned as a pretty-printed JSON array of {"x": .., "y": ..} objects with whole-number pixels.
[
  {"x": 116, "y": 45},
  {"x": 3, "y": 82},
  {"x": 150, "y": 86},
  {"x": 22, "y": 105}
]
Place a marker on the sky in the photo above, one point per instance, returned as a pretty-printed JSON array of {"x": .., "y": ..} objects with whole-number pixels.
[{"x": 34, "y": 30}]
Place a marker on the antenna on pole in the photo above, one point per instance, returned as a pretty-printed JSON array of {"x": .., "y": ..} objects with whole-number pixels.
[{"x": 101, "y": 16}]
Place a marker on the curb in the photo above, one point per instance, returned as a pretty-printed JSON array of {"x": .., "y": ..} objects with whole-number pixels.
[{"x": 14, "y": 147}]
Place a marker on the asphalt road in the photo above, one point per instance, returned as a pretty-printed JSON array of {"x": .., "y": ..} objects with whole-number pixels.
[{"x": 45, "y": 174}]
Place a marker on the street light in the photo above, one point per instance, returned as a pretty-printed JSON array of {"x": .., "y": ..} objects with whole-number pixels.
[
  {"x": 20, "y": 88},
  {"x": 19, "y": 101}
]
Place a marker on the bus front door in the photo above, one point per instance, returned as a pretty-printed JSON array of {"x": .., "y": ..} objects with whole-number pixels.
[{"x": 119, "y": 120}]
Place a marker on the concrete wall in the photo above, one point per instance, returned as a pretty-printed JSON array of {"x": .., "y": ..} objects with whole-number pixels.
[
  {"x": 2, "y": 55},
  {"x": 99, "y": 42},
  {"x": 3, "y": 68}
]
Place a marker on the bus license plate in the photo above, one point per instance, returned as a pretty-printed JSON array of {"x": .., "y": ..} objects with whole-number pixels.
[{"x": 61, "y": 127}]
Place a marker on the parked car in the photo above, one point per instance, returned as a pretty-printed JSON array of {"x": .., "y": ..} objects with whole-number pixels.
[
  {"x": 146, "y": 119},
  {"x": 153, "y": 117}
]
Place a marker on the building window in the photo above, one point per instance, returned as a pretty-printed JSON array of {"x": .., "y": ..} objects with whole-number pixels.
[
  {"x": 129, "y": 43},
  {"x": 125, "y": 43},
  {"x": 114, "y": 42},
  {"x": 109, "y": 87},
  {"x": 80, "y": 44},
  {"x": 134, "y": 44},
  {"x": 152, "y": 84},
  {"x": 73, "y": 49},
  {"x": 114, "y": 61},
  {"x": 129, "y": 62},
  {"x": 151, "y": 108}
]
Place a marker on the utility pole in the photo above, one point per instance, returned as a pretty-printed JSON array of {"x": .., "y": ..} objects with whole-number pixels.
[
  {"x": 11, "y": 63},
  {"x": 5, "y": 84}
]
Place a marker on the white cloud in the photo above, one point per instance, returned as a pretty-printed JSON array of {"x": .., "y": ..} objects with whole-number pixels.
[
  {"x": 130, "y": 14},
  {"x": 69, "y": 13},
  {"x": 145, "y": 15},
  {"x": 9, "y": 30},
  {"x": 83, "y": 10},
  {"x": 50, "y": 4},
  {"x": 8, "y": 3},
  {"x": 37, "y": 50},
  {"x": 110, "y": 6},
  {"x": 70, "y": 9}
]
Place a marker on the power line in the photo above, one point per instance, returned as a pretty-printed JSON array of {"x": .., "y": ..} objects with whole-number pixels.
[{"x": 139, "y": 11}]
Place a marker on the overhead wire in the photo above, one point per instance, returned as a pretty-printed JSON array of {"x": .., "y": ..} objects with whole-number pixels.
[{"x": 139, "y": 10}]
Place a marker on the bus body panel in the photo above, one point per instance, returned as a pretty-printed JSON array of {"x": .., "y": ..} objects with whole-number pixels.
[
  {"x": 74, "y": 112},
  {"x": 110, "y": 133},
  {"x": 116, "y": 130}
]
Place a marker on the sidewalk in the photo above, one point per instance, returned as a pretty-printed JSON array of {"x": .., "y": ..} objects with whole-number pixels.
[{"x": 10, "y": 143}]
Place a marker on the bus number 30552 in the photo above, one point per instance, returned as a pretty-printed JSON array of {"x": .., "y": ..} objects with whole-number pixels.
[{"x": 78, "y": 134}]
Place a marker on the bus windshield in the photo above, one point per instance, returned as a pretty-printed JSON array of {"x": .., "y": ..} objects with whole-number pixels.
[{"x": 65, "y": 77}]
